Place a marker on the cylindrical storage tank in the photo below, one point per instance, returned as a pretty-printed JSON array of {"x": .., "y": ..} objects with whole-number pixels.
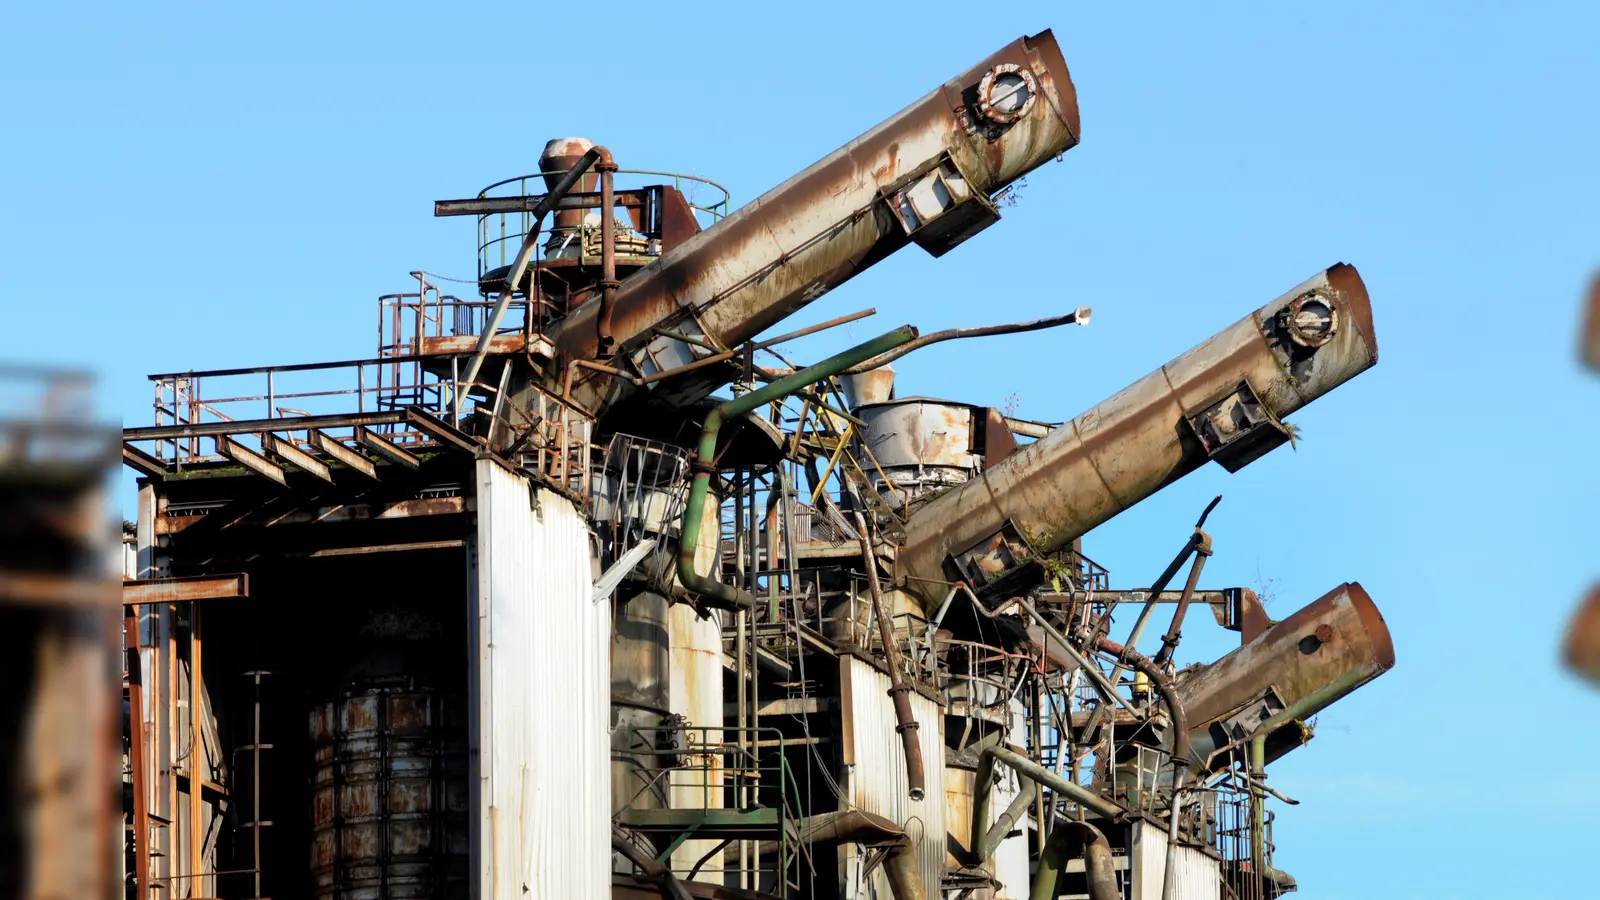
[
  {"x": 923, "y": 175},
  {"x": 1339, "y": 633},
  {"x": 918, "y": 447},
  {"x": 389, "y": 812},
  {"x": 640, "y": 685},
  {"x": 1221, "y": 400}
]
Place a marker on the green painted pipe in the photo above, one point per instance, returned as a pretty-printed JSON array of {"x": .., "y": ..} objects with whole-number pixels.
[
  {"x": 983, "y": 782},
  {"x": 1310, "y": 704},
  {"x": 1099, "y": 869},
  {"x": 715, "y": 592}
]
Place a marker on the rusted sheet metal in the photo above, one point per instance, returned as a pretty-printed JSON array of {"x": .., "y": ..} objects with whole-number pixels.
[
  {"x": 831, "y": 221},
  {"x": 462, "y": 344},
  {"x": 389, "y": 806},
  {"x": 1154, "y": 431},
  {"x": 1583, "y": 639},
  {"x": 919, "y": 432},
  {"x": 183, "y": 589},
  {"x": 876, "y": 767},
  {"x": 540, "y": 678},
  {"x": 1339, "y": 632},
  {"x": 872, "y": 386}
]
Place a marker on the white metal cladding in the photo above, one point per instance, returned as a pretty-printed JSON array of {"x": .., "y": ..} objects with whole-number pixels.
[
  {"x": 876, "y": 780},
  {"x": 1199, "y": 876},
  {"x": 696, "y": 693},
  {"x": 541, "y": 784}
]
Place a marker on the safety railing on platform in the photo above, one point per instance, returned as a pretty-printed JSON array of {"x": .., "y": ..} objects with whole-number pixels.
[{"x": 732, "y": 792}]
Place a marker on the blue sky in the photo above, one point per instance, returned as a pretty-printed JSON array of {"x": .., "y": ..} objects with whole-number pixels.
[{"x": 192, "y": 189}]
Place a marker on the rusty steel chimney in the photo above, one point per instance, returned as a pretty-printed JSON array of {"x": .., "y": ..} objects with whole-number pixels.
[
  {"x": 1339, "y": 638},
  {"x": 560, "y": 155},
  {"x": 1222, "y": 400},
  {"x": 925, "y": 176}
]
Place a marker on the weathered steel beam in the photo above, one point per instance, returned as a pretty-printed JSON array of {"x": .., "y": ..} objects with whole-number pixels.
[
  {"x": 184, "y": 589},
  {"x": 441, "y": 431},
  {"x": 370, "y": 439},
  {"x": 257, "y": 426},
  {"x": 342, "y": 454},
  {"x": 140, "y": 461},
  {"x": 252, "y": 460},
  {"x": 481, "y": 206},
  {"x": 388, "y": 548},
  {"x": 286, "y": 450}
]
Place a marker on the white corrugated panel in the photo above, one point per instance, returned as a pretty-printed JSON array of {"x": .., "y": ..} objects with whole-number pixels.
[
  {"x": 877, "y": 770},
  {"x": 696, "y": 693},
  {"x": 1199, "y": 876},
  {"x": 541, "y": 779}
]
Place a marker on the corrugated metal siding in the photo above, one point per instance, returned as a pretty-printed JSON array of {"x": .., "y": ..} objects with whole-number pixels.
[
  {"x": 1009, "y": 865},
  {"x": 696, "y": 693},
  {"x": 1199, "y": 876},
  {"x": 877, "y": 777},
  {"x": 541, "y": 783}
]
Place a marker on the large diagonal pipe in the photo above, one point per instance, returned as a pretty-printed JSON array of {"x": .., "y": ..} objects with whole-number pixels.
[
  {"x": 1229, "y": 392},
  {"x": 975, "y": 134},
  {"x": 1339, "y": 638}
]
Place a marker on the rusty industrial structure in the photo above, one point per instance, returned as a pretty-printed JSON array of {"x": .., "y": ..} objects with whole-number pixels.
[
  {"x": 1581, "y": 647},
  {"x": 612, "y": 596}
]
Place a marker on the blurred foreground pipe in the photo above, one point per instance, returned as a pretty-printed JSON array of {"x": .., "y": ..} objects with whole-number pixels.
[
  {"x": 924, "y": 175},
  {"x": 1583, "y": 639},
  {"x": 1221, "y": 400},
  {"x": 899, "y": 691},
  {"x": 1338, "y": 637}
]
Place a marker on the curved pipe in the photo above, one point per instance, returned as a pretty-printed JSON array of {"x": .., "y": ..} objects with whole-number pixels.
[
  {"x": 1032, "y": 771},
  {"x": 1305, "y": 706},
  {"x": 899, "y": 691},
  {"x": 715, "y": 592},
  {"x": 1099, "y": 868},
  {"x": 1079, "y": 316},
  {"x": 649, "y": 866},
  {"x": 1180, "y": 748},
  {"x": 855, "y": 826}
]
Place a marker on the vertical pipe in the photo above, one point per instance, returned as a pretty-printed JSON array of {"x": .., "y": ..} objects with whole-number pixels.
[
  {"x": 608, "y": 257},
  {"x": 255, "y": 788},
  {"x": 141, "y": 786},
  {"x": 899, "y": 691},
  {"x": 197, "y": 758},
  {"x": 1169, "y": 641}
]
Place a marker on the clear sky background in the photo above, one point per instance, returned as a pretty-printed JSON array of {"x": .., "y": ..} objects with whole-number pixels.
[{"x": 192, "y": 189}]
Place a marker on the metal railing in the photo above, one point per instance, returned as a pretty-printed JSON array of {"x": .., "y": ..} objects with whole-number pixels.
[
  {"x": 501, "y": 234},
  {"x": 730, "y": 786}
]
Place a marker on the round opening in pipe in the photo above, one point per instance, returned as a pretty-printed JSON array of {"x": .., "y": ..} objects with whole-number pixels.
[{"x": 1311, "y": 319}]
